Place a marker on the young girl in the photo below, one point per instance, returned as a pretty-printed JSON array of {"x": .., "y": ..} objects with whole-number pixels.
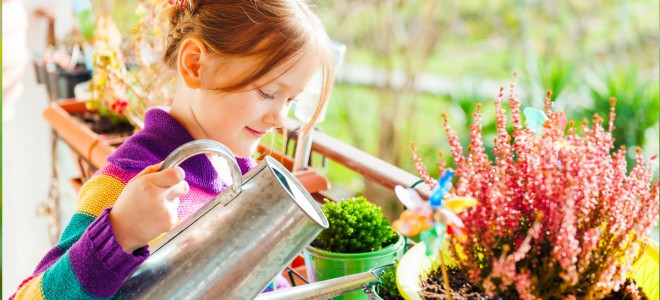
[{"x": 239, "y": 66}]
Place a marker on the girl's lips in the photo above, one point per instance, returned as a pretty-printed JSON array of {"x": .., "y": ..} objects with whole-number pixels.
[{"x": 255, "y": 132}]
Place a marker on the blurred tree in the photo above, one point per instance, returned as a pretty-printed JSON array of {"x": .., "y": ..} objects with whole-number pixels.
[
  {"x": 401, "y": 36},
  {"x": 553, "y": 45}
]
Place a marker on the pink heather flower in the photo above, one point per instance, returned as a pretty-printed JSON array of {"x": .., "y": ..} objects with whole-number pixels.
[
  {"x": 489, "y": 287},
  {"x": 634, "y": 291},
  {"x": 567, "y": 248},
  {"x": 558, "y": 213},
  {"x": 455, "y": 146},
  {"x": 441, "y": 164},
  {"x": 474, "y": 275},
  {"x": 547, "y": 101},
  {"x": 502, "y": 149},
  {"x": 612, "y": 114},
  {"x": 505, "y": 268},
  {"x": 421, "y": 168},
  {"x": 589, "y": 242},
  {"x": 524, "y": 286},
  {"x": 514, "y": 104}
]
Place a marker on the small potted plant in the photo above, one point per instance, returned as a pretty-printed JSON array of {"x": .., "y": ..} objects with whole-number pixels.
[
  {"x": 358, "y": 239},
  {"x": 386, "y": 289},
  {"x": 557, "y": 214}
]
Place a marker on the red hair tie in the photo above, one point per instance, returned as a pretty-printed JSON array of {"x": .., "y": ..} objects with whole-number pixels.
[{"x": 176, "y": 1}]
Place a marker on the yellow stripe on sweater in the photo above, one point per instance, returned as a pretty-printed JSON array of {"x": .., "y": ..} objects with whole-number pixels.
[
  {"x": 160, "y": 238},
  {"x": 99, "y": 193},
  {"x": 31, "y": 290}
]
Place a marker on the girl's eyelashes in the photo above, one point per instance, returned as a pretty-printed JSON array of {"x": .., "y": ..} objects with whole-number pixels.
[
  {"x": 265, "y": 95},
  {"x": 271, "y": 96}
]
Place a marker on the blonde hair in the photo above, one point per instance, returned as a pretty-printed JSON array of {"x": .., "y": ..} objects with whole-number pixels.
[{"x": 268, "y": 32}]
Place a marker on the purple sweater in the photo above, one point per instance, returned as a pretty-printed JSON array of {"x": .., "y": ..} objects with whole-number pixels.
[{"x": 88, "y": 263}]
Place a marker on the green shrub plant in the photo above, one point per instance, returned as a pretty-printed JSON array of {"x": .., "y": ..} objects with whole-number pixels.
[{"x": 355, "y": 226}]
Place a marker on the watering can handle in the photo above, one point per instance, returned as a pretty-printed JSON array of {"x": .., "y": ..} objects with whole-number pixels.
[{"x": 190, "y": 149}]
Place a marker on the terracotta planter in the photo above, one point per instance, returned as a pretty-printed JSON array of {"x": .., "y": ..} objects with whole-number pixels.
[{"x": 91, "y": 148}]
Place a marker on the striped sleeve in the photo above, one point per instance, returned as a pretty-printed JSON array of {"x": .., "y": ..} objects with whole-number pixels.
[{"x": 87, "y": 263}]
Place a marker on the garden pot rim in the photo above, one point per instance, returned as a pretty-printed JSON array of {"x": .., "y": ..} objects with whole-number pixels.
[{"x": 336, "y": 255}]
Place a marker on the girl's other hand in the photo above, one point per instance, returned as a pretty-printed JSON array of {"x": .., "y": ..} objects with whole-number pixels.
[{"x": 147, "y": 207}]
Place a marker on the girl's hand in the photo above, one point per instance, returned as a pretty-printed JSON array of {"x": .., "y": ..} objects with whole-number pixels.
[{"x": 147, "y": 207}]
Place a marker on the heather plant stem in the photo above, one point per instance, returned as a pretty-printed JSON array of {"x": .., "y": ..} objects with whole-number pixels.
[{"x": 444, "y": 275}]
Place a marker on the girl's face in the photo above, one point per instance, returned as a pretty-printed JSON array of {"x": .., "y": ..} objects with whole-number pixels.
[{"x": 240, "y": 119}]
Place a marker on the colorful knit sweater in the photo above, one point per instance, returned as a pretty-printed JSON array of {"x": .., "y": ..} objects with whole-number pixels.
[{"x": 88, "y": 263}]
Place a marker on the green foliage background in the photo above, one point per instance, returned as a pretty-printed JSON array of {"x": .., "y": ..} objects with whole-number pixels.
[{"x": 584, "y": 51}]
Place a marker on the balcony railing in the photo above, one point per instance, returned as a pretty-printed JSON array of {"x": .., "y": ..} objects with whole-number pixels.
[{"x": 361, "y": 162}]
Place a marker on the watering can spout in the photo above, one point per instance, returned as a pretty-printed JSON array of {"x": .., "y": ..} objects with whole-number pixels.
[
  {"x": 233, "y": 246},
  {"x": 329, "y": 288}
]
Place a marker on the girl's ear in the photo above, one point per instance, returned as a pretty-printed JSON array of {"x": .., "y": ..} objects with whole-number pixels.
[{"x": 191, "y": 53}]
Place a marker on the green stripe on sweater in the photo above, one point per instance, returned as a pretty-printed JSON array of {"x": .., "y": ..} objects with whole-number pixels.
[
  {"x": 61, "y": 283},
  {"x": 79, "y": 222}
]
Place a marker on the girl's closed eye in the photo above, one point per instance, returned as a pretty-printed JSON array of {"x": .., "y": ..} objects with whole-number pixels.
[
  {"x": 270, "y": 95},
  {"x": 266, "y": 94}
]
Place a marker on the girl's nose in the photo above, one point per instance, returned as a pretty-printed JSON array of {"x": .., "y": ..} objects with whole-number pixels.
[{"x": 276, "y": 116}]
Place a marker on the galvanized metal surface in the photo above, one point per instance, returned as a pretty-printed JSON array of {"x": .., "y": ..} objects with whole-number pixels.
[
  {"x": 236, "y": 245},
  {"x": 323, "y": 289}
]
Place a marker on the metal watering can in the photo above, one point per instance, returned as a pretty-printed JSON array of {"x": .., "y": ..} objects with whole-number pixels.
[{"x": 233, "y": 246}]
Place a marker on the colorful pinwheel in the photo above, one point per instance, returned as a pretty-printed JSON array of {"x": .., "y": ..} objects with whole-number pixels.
[{"x": 432, "y": 219}]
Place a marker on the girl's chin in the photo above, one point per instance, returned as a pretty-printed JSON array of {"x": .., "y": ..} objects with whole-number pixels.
[
  {"x": 242, "y": 148},
  {"x": 246, "y": 151}
]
